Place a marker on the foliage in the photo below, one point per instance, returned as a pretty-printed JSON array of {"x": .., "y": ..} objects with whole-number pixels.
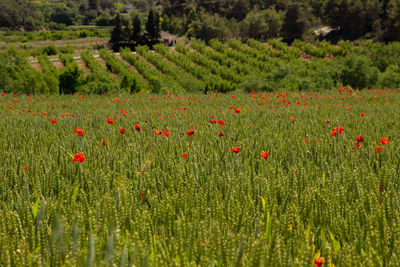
[
  {"x": 17, "y": 75},
  {"x": 135, "y": 200},
  {"x": 70, "y": 78}
]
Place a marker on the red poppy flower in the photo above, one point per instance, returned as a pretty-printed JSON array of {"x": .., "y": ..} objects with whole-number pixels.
[
  {"x": 53, "y": 121},
  {"x": 79, "y": 131},
  {"x": 340, "y": 129},
  {"x": 166, "y": 133},
  {"x": 357, "y": 146},
  {"x": 318, "y": 262},
  {"x": 110, "y": 121},
  {"x": 221, "y": 134},
  {"x": 264, "y": 154},
  {"x": 213, "y": 121},
  {"x": 122, "y": 130},
  {"x": 359, "y": 139},
  {"x": 384, "y": 141},
  {"x": 326, "y": 121},
  {"x": 137, "y": 128},
  {"x": 158, "y": 132},
  {"x": 236, "y": 149},
  {"x": 292, "y": 118},
  {"x": 104, "y": 143},
  {"x": 190, "y": 132},
  {"x": 362, "y": 114},
  {"x": 79, "y": 157},
  {"x": 237, "y": 110},
  {"x": 185, "y": 156},
  {"x": 221, "y": 122}
]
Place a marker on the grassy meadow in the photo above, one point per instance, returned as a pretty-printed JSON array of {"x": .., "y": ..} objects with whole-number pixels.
[{"x": 149, "y": 191}]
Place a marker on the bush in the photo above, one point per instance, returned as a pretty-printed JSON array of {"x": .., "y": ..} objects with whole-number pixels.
[
  {"x": 68, "y": 49},
  {"x": 358, "y": 72},
  {"x": 70, "y": 79},
  {"x": 49, "y": 50},
  {"x": 390, "y": 78}
]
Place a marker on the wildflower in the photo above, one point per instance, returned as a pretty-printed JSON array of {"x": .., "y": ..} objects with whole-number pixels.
[
  {"x": 362, "y": 114},
  {"x": 357, "y": 146},
  {"x": 326, "y": 121},
  {"x": 236, "y": 149},
  {"x": 318, "y": 262},
  {"x": 166, "y": 133},
  {"x": 185, "y": 156},
  {"x": 122, "y": 130},
  {"x": 237, "y": 110},
  {"x": 53, "y": 121},
  {"x": 137, "y": 128},
  {"x": 359, "y": 139},
  {"x": 110, "y": 121},
  {"x": 379, "y": 148},
  {"x": 213, "y": 121},
  {"x": 264, "y": 154},
  {"x": 292, "y": 118},
  {"x": 159, "y": 132},
  {"x": 221, "y": 122},
  {"x": 221, "y": 134},
  {"x": 79, "y": 157},
  {"x": 190, "y": 132},
  {"x": 104, "y": 143},
  {"x": 384, "y": 141},
  {"x": 79, "y": 131}
]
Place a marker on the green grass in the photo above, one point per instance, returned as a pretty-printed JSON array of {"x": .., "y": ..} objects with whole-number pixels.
[{"x": 136, "y": 201}]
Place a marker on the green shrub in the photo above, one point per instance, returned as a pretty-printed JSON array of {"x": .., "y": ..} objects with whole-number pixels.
[
  {"x": 70, "y": 79},
  {"x": 49, "y": 50}
]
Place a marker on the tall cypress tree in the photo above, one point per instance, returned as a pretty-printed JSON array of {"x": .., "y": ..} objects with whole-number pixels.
[
  {"x": 116, "y": 34},
  {"x": 157, "y": 34},
  {"x": 137, "y": 29},
  {"x": 150, "y": 25},
  {"x": 293, "y": 27}
]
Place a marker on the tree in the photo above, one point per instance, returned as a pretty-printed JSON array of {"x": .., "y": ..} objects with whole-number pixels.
[
  {"x": 93, "y": 4},
  {"x": 392, "y": 25},
  {"x": 63, "y": 14},
  {"x": 150, "y": 24},
  {"x": 116, "y": 34},
  {"x": 293, "y": 24},
  {"x": 153, "y": 26},
  {"x": 137, "y": 30}
]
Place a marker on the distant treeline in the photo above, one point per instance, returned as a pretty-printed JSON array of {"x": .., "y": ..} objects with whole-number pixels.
[
  {"x": 223, "y": 19},
  {"x": 262, "y": 19}
]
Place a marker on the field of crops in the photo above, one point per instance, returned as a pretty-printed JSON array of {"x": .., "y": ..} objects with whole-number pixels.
[
  {"x": 239, "y": 179},
  {"x": 221, "y": 67}
]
